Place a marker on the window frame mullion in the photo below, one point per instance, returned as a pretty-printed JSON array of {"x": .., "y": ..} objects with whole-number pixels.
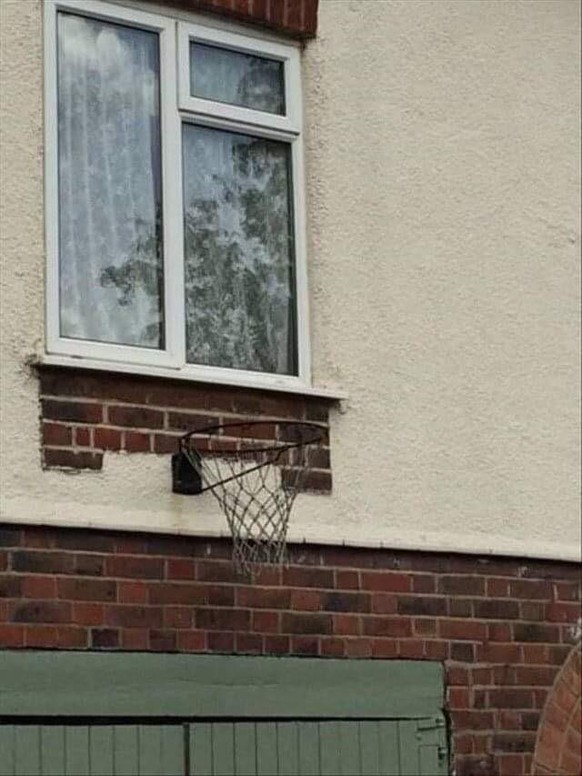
[{"x": 172, "y": 199}]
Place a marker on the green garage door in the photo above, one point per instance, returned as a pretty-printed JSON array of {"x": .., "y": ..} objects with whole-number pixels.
[
  {"x": 318, "y": 748},
  {"x": 282, "y": 748},
  {"x": 186, "y": 715},
  {"x": 91, "y": 750}
]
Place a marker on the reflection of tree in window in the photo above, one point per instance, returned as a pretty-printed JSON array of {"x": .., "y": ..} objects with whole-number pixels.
[
  {"x": 238, "y": 250},
  {"x": 143, "y": 269},
  {"x": 261, "y": 85},
  {"x": 236, "y": 78}
]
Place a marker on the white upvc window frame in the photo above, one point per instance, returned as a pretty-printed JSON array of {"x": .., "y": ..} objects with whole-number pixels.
[{"x": 176, "y": 108}]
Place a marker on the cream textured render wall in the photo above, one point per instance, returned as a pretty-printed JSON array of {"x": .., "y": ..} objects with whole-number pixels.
[{"x": 443, "y": 195}]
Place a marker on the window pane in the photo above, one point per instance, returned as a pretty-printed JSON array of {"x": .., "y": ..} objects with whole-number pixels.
[
  {"x": 110, "y": 222},
  {"x": 240, "y": 300},
  {"x": 236, "y": 78}
]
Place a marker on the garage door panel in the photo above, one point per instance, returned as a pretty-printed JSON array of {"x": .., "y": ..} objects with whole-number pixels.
[
  {"x": 161, "y": 750},
  {"x": 222, "y": 749},
  {"x": 328, "y": 748},
  {"x": 350, "y": 754},
  {"x": 27, "y": 751},
  {"x": 245, "y": 749},
  {"x": 101, "y": 749},
  {"x": 288, "y": 739},
  {"x": 52, "y": 750},
  {"x": 267, "y": 750},
  {"x": 126, "y": 750},
  {"x": 428, "y": 756},
  {"x": 408, "y": 748},
  {"x": 388, "y": 746},
  {"x": 7, "y": 750},
  {"x": 369, "y": 737},
  {"x": 77, "y": 758},
  {"x": 200, "y": 749},
  {"x": 308, "y": 734}
]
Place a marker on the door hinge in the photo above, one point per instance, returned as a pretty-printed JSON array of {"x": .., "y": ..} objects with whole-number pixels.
[{"x": 431, "y": 724}]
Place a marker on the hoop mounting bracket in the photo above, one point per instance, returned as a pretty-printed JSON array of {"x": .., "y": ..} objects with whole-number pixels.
[{"x": 185, "y": 479}]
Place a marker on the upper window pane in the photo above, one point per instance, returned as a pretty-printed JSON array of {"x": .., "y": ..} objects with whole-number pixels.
[
  {"x": 110, "y": 224},
  {"x": 237, "y": 78}
]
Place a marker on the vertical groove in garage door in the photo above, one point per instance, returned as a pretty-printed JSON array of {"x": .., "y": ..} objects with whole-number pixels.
[
  {"x": 388, "y": 748},
  {"x": 408, "y": 748},
  {"x": 308, "y": 748},
  {"x": 288, "y": 748}
]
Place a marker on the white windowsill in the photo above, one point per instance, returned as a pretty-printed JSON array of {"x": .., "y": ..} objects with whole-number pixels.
[{"x": 238, "y": 381}]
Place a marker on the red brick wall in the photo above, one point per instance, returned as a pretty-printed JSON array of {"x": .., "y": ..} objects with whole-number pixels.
[
  {"x": 87, "y": 413},
  {"x": 297, "y": 18},
  {"x": 502, "y": 627}
]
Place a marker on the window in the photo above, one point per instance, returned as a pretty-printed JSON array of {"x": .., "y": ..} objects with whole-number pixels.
[{"x": 174, "y": 197}]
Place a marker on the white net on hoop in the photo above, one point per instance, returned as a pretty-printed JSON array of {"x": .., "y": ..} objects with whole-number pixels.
[{"x": 256, "y": 483}]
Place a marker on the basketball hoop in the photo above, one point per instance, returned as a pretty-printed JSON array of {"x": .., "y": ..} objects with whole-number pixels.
[{"x": 254, "y": 470}]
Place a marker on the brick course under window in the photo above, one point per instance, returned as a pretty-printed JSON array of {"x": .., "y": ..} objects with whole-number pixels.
[
  {"x": 86, "y": 414},
  {"x": 83, "y": 589}
]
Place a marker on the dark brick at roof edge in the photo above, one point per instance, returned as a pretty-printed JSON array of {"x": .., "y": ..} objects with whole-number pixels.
[{"x": 296, "y": 18}]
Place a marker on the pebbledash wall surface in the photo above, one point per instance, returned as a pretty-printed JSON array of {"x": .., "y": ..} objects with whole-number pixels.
[{"x": 442, "y": 192}]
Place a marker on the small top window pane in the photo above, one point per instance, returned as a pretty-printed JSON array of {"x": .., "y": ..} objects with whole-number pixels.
[{"x": 236, "y": 78}]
